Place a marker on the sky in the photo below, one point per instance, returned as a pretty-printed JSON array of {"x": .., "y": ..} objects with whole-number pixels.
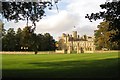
[{"x": 71, "y": 13}]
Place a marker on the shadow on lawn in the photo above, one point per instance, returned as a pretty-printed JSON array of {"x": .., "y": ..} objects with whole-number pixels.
[{"x": 105, "y": 68}]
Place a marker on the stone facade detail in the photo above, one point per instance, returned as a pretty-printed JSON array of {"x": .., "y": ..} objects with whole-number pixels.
[{"x": 76, "y": 44}]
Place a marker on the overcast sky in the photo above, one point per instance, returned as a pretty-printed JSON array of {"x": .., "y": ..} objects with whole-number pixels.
[{"x": 71, "y": 13}]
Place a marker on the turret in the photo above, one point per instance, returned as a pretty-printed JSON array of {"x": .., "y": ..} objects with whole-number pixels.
[{"x": 74, "y": 34}]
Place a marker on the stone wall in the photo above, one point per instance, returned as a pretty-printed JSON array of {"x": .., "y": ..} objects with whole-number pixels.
[
  {"x": 26, "y": 52},
  {"x": 101, "y": 51},
  {"x": 88, "y": 51},
  {"x": 54, "y": 52},
  {"x": 60, "y": 51}
]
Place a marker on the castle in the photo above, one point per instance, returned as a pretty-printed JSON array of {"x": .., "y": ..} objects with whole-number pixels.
[{"x": 75, "y": 44}]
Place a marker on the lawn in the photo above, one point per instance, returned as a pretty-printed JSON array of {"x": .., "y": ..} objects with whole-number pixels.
[{"x": 97, "y": 65}]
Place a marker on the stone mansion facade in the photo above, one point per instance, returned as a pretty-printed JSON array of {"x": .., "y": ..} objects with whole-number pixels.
[{"x": 75, "y": 44}]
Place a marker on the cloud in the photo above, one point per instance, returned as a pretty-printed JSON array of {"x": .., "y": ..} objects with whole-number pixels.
[
  {"x": 58, "y": 23},
  {"x": 81, "y": 8},
  {"x": 12, "y": 24},
  {"x": 71, "y": 13},
  {"x": 88, "y": 30}
]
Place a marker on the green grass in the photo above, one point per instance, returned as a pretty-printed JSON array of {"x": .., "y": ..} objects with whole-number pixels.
[{"x": 102, "y": 65}]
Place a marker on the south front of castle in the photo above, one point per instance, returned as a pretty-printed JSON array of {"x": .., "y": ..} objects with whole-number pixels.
[{"x": 73, "y": 43}]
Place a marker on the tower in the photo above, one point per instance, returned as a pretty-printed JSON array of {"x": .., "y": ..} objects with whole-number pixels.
[{"x": 74, "y": 34}]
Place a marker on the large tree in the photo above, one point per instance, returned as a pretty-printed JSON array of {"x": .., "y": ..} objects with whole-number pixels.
[
  {"x": 112, "y": 15},
  {"x": 102, "y": 36},
  {"x": 33, "y": 11},
  {"x": 27, "y": 37}
]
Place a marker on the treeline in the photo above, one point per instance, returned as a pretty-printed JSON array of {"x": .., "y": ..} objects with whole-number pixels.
[{"x": 26, "y": 40}]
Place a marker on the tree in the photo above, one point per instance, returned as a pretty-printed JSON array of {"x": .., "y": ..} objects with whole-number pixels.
[
  {"x": 61, "y": 45},
  {"x": 33, "y": 11},
  {"x": 102, "y": 36},
  {"x": 112, "y": 15},
  {"x": 18, "y": 38},
  {"x": 2, "y": 33},
  {"x": 8, "y": 41},
  {"x": 41, "y": 44},
  {"x": 34, "y": 42},
  {"x": 49, "y": 41},
  {"x": 26, "y": 38},
  {"x": 2, "y": 30}
]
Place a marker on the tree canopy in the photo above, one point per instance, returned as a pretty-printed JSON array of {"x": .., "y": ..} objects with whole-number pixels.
[
  {"x": 102, "y": 36},
  {"x": 33, "y": 11},
  {"x": 27, "y": 40},
  {"x": 111, "y": 14}
]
